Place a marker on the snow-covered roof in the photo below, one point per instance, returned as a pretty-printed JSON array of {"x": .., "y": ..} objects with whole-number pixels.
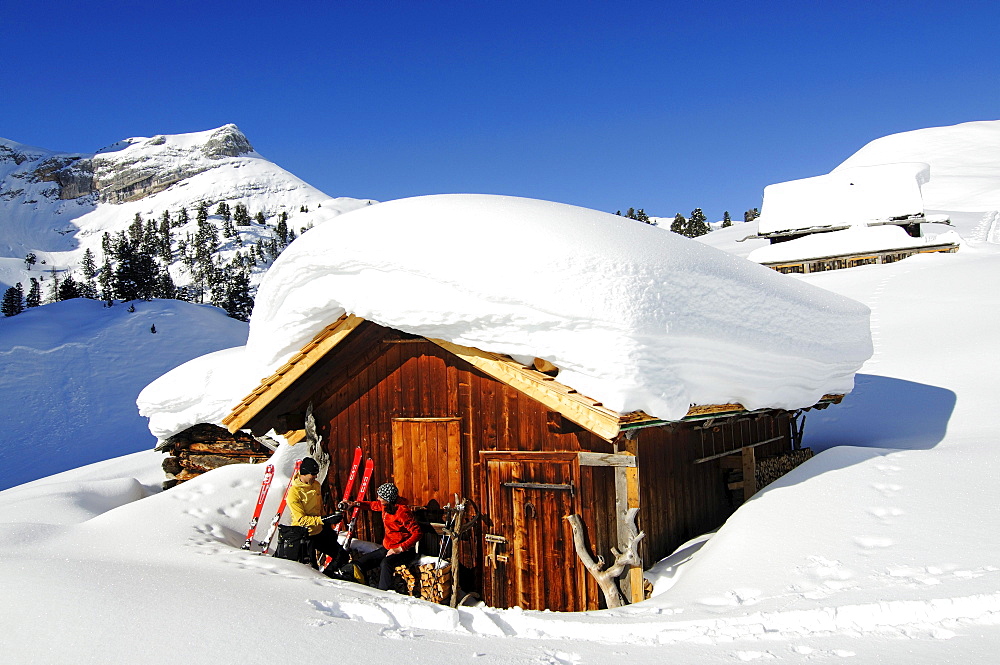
[
  {"x": 845, "y": 197},
  {"x": 634, "y": 316}
]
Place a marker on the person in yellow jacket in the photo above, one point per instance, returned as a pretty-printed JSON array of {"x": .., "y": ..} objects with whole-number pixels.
[{"x": 305, "y": 501}]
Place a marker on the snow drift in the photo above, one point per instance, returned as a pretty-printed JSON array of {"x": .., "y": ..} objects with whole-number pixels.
[{"x": 964, "y": 161}]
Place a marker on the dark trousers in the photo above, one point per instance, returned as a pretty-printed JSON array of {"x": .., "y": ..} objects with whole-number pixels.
[
  {"x": 387, "y": 564},
  {"x": 327, "y": 541}
]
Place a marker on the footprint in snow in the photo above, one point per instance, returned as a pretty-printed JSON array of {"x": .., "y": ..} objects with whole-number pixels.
[
  {"x": 873, "y": 542},
  {"x": 555, "y": 657},
  {"x": 887, "y": 489},
  {"x": 747, "y": 656},
  {"x": 885, "y": 514}
]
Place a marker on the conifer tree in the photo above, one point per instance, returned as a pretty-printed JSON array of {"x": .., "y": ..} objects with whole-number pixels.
[
  {"x": 166, "y": 239},
  {"x": 34, "y": 297},
  {"x": 259, "y": 218},
  {"x": 165, "y": 287},
  {"x": 151, "y": 239},
  {"x": 228, "y": 228},
  {"x": 88, "y": 266},
  {"x": 29, "y": 260},
  {"x": 751, "y": 215},
  {"x": 238, "y": 301},
  {"x": 136, "y": 274},
  {"x": 202, "y": 215},
  {"x": 639, "y": 215},
  {"x": 241, "y": 216},
  {"x": 697, "y": 224},
  {"x": 69, "y": 289},
  {"x": 727, "y": 221},
  {"x": 679, "y": 225},
  {"x": 282, "y": 228},
  {"x": 224, "y": 212},
  {"x": 182, "y": 218},
  {"x": 54, "y": 287},
  {"x": 135, "y": 230},
  {"x": 106, "y": 281},
  {"x": 13, "y": 300},
  {"x": 206, "y": 244}
]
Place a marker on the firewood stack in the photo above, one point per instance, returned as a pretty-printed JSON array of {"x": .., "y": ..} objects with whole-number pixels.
[
  {"x": 770, "y": 469},
  {"x": 426, "y": 581},
  {"x": 204, "y": 447}
]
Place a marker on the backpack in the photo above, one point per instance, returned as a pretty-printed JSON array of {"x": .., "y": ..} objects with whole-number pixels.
[{"x": 293, "y": 543}]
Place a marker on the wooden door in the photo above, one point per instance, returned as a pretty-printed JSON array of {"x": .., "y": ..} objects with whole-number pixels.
[
  {"x": 529, "y": 557},
  {"x": 426, "y": 455}
]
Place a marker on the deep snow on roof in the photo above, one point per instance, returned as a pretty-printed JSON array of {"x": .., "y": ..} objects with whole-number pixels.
[
  {"x": 633, "y": 315},
  {"x": 845, "y": 197}
]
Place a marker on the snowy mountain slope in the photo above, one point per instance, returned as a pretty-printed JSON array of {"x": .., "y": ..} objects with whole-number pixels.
[
  {"x": 72, "y": 371},
  {"x": 59, "y": 204}
]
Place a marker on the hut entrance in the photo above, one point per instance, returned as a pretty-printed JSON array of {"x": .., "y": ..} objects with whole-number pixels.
[
  {"x": 529, "y": 557},
  {"x": 426, "y": 459}
]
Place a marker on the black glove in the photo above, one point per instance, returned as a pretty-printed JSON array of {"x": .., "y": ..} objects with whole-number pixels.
[{"x": 334, "y": 518}]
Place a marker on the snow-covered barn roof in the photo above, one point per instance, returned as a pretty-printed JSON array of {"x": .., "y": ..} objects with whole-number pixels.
[
  {"x": 635, "y": 317},
  {"x": 845, "y": 197}
]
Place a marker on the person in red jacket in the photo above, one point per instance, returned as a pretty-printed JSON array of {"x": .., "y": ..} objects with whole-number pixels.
[{"x": 401, "y": 535}]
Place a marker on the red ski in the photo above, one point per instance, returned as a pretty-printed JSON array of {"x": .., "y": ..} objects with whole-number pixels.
[
  {"x": 355, "y": 465},
  {"x": 264, "y": 486},
  {"x": 362, "y": 488},
  {"x": 265, "y": 544},
  {"x": 348, "y": 486}
]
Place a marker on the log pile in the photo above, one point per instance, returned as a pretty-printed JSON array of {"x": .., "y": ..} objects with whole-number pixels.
[
  {"x": 770, "y": 469},
  {"x": 204, "y": 447},
  {"x": 426, "y": 581}
]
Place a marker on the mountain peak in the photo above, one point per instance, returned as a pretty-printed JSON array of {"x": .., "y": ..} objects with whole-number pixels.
[{"x": 226, "y": 141}]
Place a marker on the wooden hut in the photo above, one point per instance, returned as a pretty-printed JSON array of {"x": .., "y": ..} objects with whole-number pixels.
[
  {"x": 442, "y": 420},
  {"x": 887, "y": 195}
]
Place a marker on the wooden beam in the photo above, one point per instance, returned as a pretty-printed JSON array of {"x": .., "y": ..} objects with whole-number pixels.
[
  {"x": 294, "y": 436},
  {"x": 735, "y": 451},
  {"x": 583, "y": 411},
  {"x": 272, "y": 386},
  {"x": 626, "y": 499},
  {"x": 749, "y": 473},
  {"x": 606, "y": 459}
]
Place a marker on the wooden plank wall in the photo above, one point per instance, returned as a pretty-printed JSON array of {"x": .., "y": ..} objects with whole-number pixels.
[
  {"x": 377, "y": 375},
  {"x": 381, "y": 376},
  {"x": 681, "y": 499}
]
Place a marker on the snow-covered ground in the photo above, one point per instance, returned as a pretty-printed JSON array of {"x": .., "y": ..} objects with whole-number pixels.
[
  {"x": 883, "y": 548},
  {"x": 72, "y": 370}
]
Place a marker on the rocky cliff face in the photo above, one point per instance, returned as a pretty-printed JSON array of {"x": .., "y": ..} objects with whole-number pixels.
[
  {"x": 128, "y": 171},
  {"x": 74, "y": 175},
  {"x": 147, "y": 166}
]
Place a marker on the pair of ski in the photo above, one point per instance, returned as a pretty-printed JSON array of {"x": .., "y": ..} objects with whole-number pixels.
[
  {"x": 366, "y": 476},
  {"x": 265, "y": 543}
]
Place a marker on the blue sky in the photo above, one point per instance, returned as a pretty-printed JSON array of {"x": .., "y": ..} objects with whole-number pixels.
[{"x": 658, "y": 105}]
